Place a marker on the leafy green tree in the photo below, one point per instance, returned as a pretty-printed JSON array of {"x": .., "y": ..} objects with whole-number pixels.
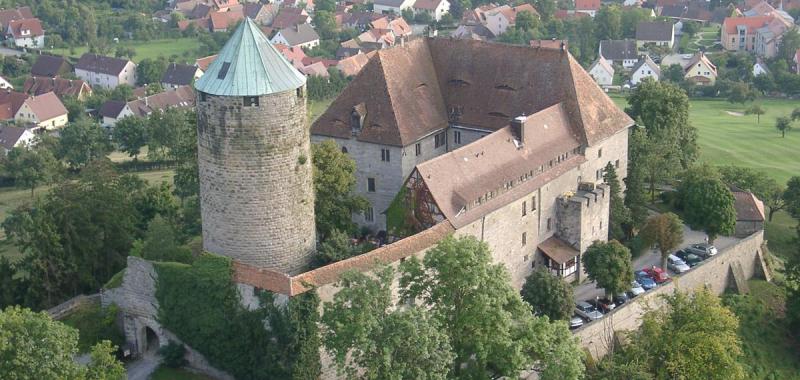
[
  {"x": 634, "y": 182},
  {"x": 665, "y": 231},
  {"x": 674, "y": 73},
  {"x": 609, "y": 264},
  {"x": 546, "y": 8},
  {"x": 791, "y": 197},
  {"x": 740, "y": 92},
  {"x": 790, "y": 42},
  {"x": 34, "y": 346},
  {"x": 707, "y": 202},
  {"x": 31, "y": 167},
  {"x": 796, "y": 114},
  {"x": 783, "y": 124},
  {"x": 491, "y": 329},
  {"x": 81, "y": 142},
  {"x": 609, "y": 23},
  {"x": 548, "y": 295},
  {"x": 122, "y": 93},
  {"x": 334, "y": 185},
  {"x": 619, "y": 217},
  {"x": 131, "y": 135},
  {"x": 75, "y": 108},
  {"x": 526, "y": 21},
  {"x": 379, "y": 342},
  {"x": 690, "y": 28},
  {"x": 695, "y": 337},
  {"x": 335, "y": 247},
  {"x": 325, "y": 24},
  {"x": 150, "y": 70},
  {"x": 631, "y": 17},
  {"x": 757, "y": 110},
  {"x": 160, "y": 243}
]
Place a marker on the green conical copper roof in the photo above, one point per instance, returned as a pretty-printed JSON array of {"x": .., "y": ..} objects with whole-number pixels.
[{"x": 248, "y": 65}]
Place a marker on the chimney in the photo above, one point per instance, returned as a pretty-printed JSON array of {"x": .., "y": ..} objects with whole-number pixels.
[{"x": 518, "y": 128}]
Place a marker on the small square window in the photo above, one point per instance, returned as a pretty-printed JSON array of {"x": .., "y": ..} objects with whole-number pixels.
[
  {"x": 616, "y": 164},
  {"x": 251, "y": 101}
]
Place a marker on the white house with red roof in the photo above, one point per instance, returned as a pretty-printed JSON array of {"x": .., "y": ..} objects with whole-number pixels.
[
  {"x": 26, "y": 33},
  {"x": 590, "y": 7},
  {"x": 435, "y": 8}
]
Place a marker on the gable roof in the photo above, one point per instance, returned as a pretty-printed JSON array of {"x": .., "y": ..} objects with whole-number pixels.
[
  {"x": 731, "y": 24},
  {"x": 50, "y": 66},
  {"x": 26, "y": 28},
  {"x": 10, "y": 101},
  {"x": 223, "y": 20},
  {"x": 748, "y": 206},
  {"x": 618, "y": 50},
  {"x": 288, "y": 16},
  {"x": 101, "y": 64},
  {"x": 179, "y": 74},
  {"x": 655, "y": 31},
  {"x": 248, "y": 65},
  {"x": 8, "y": 15},
  {"x": 409, "y": 91},
  {"x": 181, "y": 97},
  {"x": 427, "y": 4},
  {"x": 700, "y": 57},
  {"x": 587, "y": 5},
  {"x": 10, "y": 135},
  {"x": 46, "y": 106},
  {"x": 650, "y": 64},
  {"x": 203, "y": 63},
  {"x": 299, "y": 34},
  {"x": 510, "y": 13},
  {"x": 604, "y": 64},
  {"x": 111, "y": 108},
  {"x": 60, "y": 86}
]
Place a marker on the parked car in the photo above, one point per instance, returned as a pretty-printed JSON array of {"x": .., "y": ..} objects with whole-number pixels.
[
  {"x": 575, "y": 322},
  {"x": 658, "y": 275},
  {"x": 587, "y": 311},
  {"x": 703, "y": 250},
  {"x": 606, "y": 305},
  {"x": 636, "y": 288},
  {"x": 621, "y": 298},
  {"x": 676, "y": 264},
  {"x": 647, "y": 282},
  {"x": 689, "y": 258}
]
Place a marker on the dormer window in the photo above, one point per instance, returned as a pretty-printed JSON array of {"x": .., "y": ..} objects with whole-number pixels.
[{"x": 356, "y": 120}]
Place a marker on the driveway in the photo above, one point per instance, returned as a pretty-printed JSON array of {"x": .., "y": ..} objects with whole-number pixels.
[
  {"x": 589, "y": 290},
  {"x": 140, "y": 369},
  {"x": 6, "y": 51}
]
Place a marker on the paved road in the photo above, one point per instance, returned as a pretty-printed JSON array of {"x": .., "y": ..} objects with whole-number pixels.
[
  {"x": 7, "y": 51},
  {"x": 141, "y": 368},
  {"x": 650, "y": 258}
]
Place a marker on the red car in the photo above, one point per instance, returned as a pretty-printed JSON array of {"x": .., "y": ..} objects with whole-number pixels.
[{"x": 658, "y": 275}]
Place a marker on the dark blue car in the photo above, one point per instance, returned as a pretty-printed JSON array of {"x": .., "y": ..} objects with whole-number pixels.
[{"x": 645, "y": 280}]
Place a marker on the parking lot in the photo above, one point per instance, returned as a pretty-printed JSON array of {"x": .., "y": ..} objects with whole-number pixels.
[{"x": 590, "y": 291}]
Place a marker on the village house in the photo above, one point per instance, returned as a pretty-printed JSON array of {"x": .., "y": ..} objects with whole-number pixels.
[
  {"x": 602, "y": 72},
  {"x": 499, "y": 19},
  {"x": 375, "y": 39},
  {"x": 26, "y": 33},
  {"x": 645, "y": 68},
  {"x": 797, "y": 62},
  {"x": 10, "y": 103},
  {"x": 75, "y": 88},
  {"x": 351, "y": 66},
  {"x": 397, "y": 25},
  {"x": 289, "y": 17},
  {"x": 769, "y": 36},
  {"x": 477, "y": 32},
  {"x": 750, "y": 214},
  {"x": 392, "y": 6},
  {"x": 739, "y": 33},
  {"x": 435, "y": 8},
  {"x": 760, "y": 67},
  {"x": 45, "y": 111},
  {"x": 178, "y": 75},
  {"x": 5, "y": 84},
  {"x": 300, "y": 35},
  {"x": 294, "y": 54},
  {"x": 50, "y": 66},
  {"x": 589, "y": 7},
  {"x": 658, "y": 33},
  {"x": 262, "y": 14},
  {"x": 9, "y": 15},
  {"x": 361, "y": 21},
  {"x": 15, "y": 137},
  {"x": 700, "y": 70},
  {"x": 203, "y": 63},
  {"x": 620, "y": 52},
  {"x": 106, "y": 72},
  {"x": 113, "y": 111}
]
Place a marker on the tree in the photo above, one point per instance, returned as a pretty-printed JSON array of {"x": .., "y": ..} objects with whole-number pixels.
[
  {"x": 546, "y": 8},
  {"x": 75, "y": 108},
  {"x": 609, "y": 264},
  {"x": 609, "y": 23},
  {"x": 548, "y": 295},
  {"x": 325, "y": 24},
  {"x": 491, "y": 330},
  {"x": 707, "y": 202},
  {"x": 334, "y": 185},
  {"x": 122, "y": 93},
  {"x": 379, "y": 342},
  {"x": 336, "y": 247},
  {"x": 665, "y": 231},
  {"x": 131, "y": 135},
  {"x": 783, "y": 124},
  {"x": 796, "y": 114},
  {"x": 634, "y": 182},
  {"x": 619, "y": 217},
  {"x": 690, "y": 28},
  {"x": 160, "y": 243},
  {"x": 31, "y": 167},
  {"x": 674, "y": 73},
  {"x": 694, "y": 337},
  {"x": 526, "y": 21},
  {"x": 82, "y": 142},
  {"x": 757, "y": 110},
  {"x": 791, "y": 196},
  {"x": 34, "y": 346},
  {"x": 740, "y": 92},
  {"x": 163, "y": 133},
  {"x": 151, "y": 70},
  {"x": 790, "y": 42}
]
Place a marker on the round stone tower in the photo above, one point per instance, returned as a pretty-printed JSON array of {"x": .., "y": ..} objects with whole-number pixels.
[{"x": 256, "y": 190}]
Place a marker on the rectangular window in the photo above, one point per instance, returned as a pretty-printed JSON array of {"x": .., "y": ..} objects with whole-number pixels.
[
  {"x": 616, "y": 164},
  {"x": 600, "y": 152},
  {"x": 371, "y": 185},
  {"x": 599, "y": 174},
  {"x": 524, "y": 238},
  {"x": 418, "y": 149},
  {"x": 533, "y": 203},
  {"x": 439, "y": 139},
  {"x": 385, "y": 155},
  {"x": 457, "y": 137},
  {"x": 251, "y": 101},
  {"x": 549, "y": 224},
  {"x": 369, "y": 214},
  {"x": 202, "y": 96},
  {"x": 524, "y": 208}
]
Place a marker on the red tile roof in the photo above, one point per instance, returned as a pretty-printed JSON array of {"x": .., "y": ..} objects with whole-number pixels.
[
  {"x": 587, "y": 5},
  {"x": 751, "y": 23},
  {"x": 26, "y": 28},
  {"x": 60, "y": 86},
  {"x": 204, "y": 62},
  {"x": 748, "y": 206}
]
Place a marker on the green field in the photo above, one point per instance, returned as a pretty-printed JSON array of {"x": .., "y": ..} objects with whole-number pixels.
[
  {"x": 316, "y": 108},
  {"x": 726, "y": 137},
  {"x": 149, "y": 49}
]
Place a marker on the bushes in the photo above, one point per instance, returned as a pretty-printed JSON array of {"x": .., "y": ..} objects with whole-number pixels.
[{"x": 172, "y": 354}]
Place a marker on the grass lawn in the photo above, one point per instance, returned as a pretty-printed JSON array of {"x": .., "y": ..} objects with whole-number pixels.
[
  {"x": 166, "y": 373},
  {"x": 316, "y": 108},
  {"x": 726, "y": 138},
  {"x": 94, "y": 324},
  {"x": 769, "y": 353},
  {"x": 156, "y": 177},
  {"x": 150, "y": 49}
]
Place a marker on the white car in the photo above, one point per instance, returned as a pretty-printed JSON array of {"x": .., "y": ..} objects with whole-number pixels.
[
  {"x": 677, "y": 265},
  {"x": 587, "y": 311},
  {"x": 575, "y": 322},
  {"x": 636, "y": 289}
]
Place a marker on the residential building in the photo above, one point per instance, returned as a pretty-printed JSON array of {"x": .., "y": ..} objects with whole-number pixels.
[
  {"x": 602, "y": 72},
  {"x": 50, "y": 66},
  {"x": 499, "y": 19},
  {"x": 26, "y": 33},
  {"x": 768, "y": 37},
  {"x": 620, "y": 52},
  {"x": 739, "y": 33},
  {"x": 797, "y": 62},
  {"x": 750, "y": 215},
  {"x": 221, "y": 21},
  {"x": 397, "y": 25},
  {"x": 289, "y": 17},
  {"x": 10, "y": 103},
  {"x": 645, "y": 68},
  {"x": 589, "y": 7},
  {"x": 178, "y": 75},
  {"x": 350, "y": 66},
  {"x": 113, "y": 111},
  {"x": 392, "y": 6},
  {"x": 473, "y": 32},
  {"x": 700, "y": 70},
  {"x": 12, "y": 137},
  {"x": 106, "y": 72},
  {"x": 760, "y": 67},
  {"x": 5, "y": 84},
  {"x": 435, "y": 8},
  {"x": 203, "y": 63},
  {"x": 75, "y": 88},
  {"x": 9, "y": 15},
  {"x": 262, "y": 14},
  {"x": 658, "y": 33},
  {"x": 45, "y": 111},
  {"x": 300, "y": 35}
]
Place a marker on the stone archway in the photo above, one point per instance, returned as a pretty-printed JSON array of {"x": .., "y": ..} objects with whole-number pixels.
[{"x": 149, "y": 340}]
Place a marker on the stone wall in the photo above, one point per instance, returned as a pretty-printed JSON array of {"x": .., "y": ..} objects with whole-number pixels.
[
  {"x": 715, "y": 273},
  {"x": 256, "y": 190}
]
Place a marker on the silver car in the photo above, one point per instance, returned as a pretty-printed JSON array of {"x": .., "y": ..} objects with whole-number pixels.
[
  {"x": 636, "y": 288},
  {"x": 677, "y": 265},
  {"x": 703, "y": 250},
  {"x": 575, "y": 322},
  {"x": 588, "y": 312}
]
